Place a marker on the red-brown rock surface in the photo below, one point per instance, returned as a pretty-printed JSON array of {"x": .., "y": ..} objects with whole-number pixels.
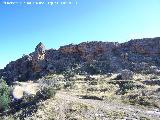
[
  {"x": 91, "y": 57},
  {"x": 89, "y": 50}
]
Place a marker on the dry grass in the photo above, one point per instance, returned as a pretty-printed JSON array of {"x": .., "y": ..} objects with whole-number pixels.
[{"x": 101, "y": 86}]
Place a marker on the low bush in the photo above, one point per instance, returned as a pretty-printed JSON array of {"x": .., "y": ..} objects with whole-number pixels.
[
  {"x": 68, "y": 74},
  {"x": 91, "y": 97},
  {"x": 91, "y": 69},
  {"x": 138, "y": 99},
  {"x": 4, "y": 95},
  {"x": 69, "y": 84},
  {"x": 47, "y": 92},
  {"x": 125, "y": 86}
]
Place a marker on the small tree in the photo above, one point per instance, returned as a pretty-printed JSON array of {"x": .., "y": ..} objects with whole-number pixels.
[{"x": 4, "y": 95}]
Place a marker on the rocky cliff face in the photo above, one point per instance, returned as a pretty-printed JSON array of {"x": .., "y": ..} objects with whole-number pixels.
[
  {"x": 89, "y": 51},
  {"x": 91, "y": 57}
]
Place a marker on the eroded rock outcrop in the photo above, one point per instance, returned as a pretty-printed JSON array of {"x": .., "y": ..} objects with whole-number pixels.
[
  {"x": 89, "y": 50},
  {"x": 146, "y": 46},
  {"x": 91, "y": 57},
  {"x": 26, "y": 67},
  {"x": 38, "y": 58}
]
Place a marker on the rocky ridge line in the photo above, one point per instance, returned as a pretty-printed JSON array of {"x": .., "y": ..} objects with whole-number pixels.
[{"x": 88, "y": 57}]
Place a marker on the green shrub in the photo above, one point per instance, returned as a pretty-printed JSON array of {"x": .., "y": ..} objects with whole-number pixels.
[
  {"x": 28, "y": 98},
  {"x": 4, "y": 95},
  {"x": 91, "y": 69},
  {"x": 93, "y": 83},
  {"x": 138, "y": 99},
  {"x": 58, "y": 86},
  {"x": 124, "y": 87},
  {"x": 68, "y": 74},
  {"x": 69, "y": 84},
  {"x": 48, "y": 92}
]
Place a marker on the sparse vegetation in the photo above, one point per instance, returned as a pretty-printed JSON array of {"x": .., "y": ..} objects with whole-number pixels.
[
  {"x": 68, "y": 74},
  {"x": 124, "y": 87},
  {"x": 48, "y": 92},
  {"x": 97, "y": 88},
  {"x": 69, "y": 84}
]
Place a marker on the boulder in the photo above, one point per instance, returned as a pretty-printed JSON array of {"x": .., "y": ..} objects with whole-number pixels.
[{"x": 126, "y": 74}]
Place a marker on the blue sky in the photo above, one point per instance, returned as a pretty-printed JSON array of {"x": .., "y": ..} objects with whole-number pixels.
[{"x": 22, "y": 27}]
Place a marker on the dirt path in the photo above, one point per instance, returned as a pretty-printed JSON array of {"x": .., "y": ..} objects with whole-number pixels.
[{"x": 108, "y": 106}]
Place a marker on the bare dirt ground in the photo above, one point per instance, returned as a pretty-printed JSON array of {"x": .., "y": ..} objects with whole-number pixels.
[{"x": 132, "y": 111}]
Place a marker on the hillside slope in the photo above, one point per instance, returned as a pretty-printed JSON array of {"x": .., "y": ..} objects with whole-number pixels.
[{"x": 87, "y": 57}]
